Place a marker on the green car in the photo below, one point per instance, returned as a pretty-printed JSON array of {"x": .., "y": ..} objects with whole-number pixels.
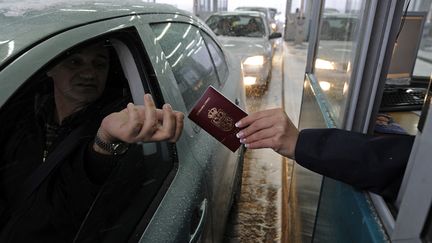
[{"x": 163, "y": 192}]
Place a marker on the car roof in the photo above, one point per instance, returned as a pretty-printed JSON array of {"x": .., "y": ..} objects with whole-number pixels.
[
  {"x": 25, "y": 23},
  {"x": 230, "y": 13},
  {"x": 263, "y": 10},
  {"x": 252, "y": 7}
]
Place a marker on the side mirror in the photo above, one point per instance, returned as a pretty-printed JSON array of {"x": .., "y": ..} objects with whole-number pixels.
[{"x": 275, "y": 35}]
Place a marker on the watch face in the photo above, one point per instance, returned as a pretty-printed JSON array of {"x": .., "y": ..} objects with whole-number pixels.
[{"x": 120, "y": 148}]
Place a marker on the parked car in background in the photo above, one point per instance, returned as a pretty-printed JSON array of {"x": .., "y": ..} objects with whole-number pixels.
[
  {"x": 273, "y": 12},
  {"x": 269, "y": 13},
  {"x": 338, "y": 26},
  {"x": 279, "y": 20},
  {"x": 246, "y": 34},
  {"x": 182, "y": 192}
]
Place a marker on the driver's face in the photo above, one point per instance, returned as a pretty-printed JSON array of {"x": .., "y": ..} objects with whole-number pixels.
[{"x": 81, "y": 77}]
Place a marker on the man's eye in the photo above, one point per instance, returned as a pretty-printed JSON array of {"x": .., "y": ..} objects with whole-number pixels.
[
  {"x": 73, "y": 62},
  {"x": 101, "y": 65}
]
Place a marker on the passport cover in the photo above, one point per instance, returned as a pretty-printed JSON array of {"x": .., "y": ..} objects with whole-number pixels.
[{"x": 217, "y": 115}]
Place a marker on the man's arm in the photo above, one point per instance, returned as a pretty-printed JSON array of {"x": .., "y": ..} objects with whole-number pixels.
[
  {"x": 138, "y": 123},
  {"x": 133, "y": 124}
]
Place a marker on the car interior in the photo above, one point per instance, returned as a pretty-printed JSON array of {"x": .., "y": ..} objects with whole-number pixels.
[{"x": 125, "y": 204}]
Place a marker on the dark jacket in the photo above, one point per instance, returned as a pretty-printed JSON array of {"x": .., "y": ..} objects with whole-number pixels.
[
  {"x": 376, "y": 164},
  {"x": 54, "y": 212}
]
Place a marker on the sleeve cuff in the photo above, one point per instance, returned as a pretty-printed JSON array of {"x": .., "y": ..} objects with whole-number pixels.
[{"x": 99, "y": 166}]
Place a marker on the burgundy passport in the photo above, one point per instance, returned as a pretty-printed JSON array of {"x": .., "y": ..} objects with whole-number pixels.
[{"x": 217, "y": 115}]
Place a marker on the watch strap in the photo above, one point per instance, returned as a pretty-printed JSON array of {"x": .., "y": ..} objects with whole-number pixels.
[{"x": 116, "y": 148}]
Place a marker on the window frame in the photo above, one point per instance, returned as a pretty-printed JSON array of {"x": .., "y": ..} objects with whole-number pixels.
[
  {"x": 416, "y": 199},
  {"x": 360, "y": 112},
  {"x": 141, "y": 76},
  {"x": 205, "y": 35},
  {"x": 15, "y": 77},
  {"x": 163, "y": 57}
]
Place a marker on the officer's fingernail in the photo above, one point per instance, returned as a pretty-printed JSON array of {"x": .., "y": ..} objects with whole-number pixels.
[
  {"x": 242, "y": 140},
  {"x": 239, "y": 135},
  {"x": 238, "y": 124}
]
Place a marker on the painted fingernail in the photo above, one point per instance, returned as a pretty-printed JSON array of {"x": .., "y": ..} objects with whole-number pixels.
[
  {"x": 242, "y": 140},
  {"x": 238, "y": 124},
  {"x": 246, "y": 145},
  {"x": 239, "y": 135},
  {"x": 168, "y": 106}
]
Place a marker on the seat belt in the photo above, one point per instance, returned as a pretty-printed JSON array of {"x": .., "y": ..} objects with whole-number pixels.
[
  {"x": 64, "y": 148},
  {"x": 58, "y": 155},
  {"x": 31, "y": 184}
]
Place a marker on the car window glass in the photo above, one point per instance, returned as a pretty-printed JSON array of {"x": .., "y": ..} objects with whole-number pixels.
[
  {"x": 187, "y": 54},
  {"x": 218, "y": 58},
  {"x": 237, "y": 25},
  {"x": 102, "y": 198}
]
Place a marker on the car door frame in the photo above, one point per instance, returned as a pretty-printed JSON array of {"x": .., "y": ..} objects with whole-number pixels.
[
  {"x": 182, "y": 210},
  {"x": 194, "y": 133}
]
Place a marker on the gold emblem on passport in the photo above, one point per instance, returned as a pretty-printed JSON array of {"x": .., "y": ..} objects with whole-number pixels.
[{"x": 221, "y": 119}]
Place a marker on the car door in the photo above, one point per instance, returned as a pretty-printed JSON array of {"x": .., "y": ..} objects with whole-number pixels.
[
  {"x": 195, "y": 61},
  {"x": 170, "y": 204}
]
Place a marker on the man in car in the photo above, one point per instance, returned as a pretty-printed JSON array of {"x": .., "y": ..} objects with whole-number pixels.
[
  {"x": 98, "y": 127},
  {"x": 253, "y": 29},
  {"x": 223, "y": 27}
]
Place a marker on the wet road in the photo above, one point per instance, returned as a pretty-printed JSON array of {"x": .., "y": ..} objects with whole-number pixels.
[
  {"x": 256, "y": 216},
  {"x": 267, "y": 209}
]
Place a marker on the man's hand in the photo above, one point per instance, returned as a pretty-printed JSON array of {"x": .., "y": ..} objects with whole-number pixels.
[
  {"x": 137, "y": 123},
  {"x": 269, "y": 129}
]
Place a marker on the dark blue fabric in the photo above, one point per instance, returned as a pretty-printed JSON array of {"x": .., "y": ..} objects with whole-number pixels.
[{"x": 375, "y": 164}]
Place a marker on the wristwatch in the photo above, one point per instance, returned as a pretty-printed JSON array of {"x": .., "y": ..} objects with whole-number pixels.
[{"x": 116, "y": 148}]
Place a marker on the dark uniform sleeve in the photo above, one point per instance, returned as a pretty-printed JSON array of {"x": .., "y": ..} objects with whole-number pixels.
[{"x": 375, "y": 164}]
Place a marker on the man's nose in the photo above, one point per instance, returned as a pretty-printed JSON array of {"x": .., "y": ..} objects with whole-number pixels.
[
  {"x": 88, "y": 72},
  {"x": 89, "y": 67}
]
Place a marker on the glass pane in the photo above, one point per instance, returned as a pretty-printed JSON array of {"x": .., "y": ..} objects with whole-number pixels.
[
  {"x": 237, "y": 25},
  {"x": 423, "y": 65},
  {"x": 218, "y": 58},
  {"x": 337, "y": 49},
  {"x": 188, "y": 57},
  {"x": 307, "y": 183}
]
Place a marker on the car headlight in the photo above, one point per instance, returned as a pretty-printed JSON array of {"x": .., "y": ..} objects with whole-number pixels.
[
  {"x": 249, "y": 80},
  {"x": 255, "y": 61},
  {"x": 324, "y": 64}
]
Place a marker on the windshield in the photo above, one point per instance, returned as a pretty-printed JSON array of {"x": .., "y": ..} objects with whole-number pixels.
[{"x": 237, "y": 25}]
